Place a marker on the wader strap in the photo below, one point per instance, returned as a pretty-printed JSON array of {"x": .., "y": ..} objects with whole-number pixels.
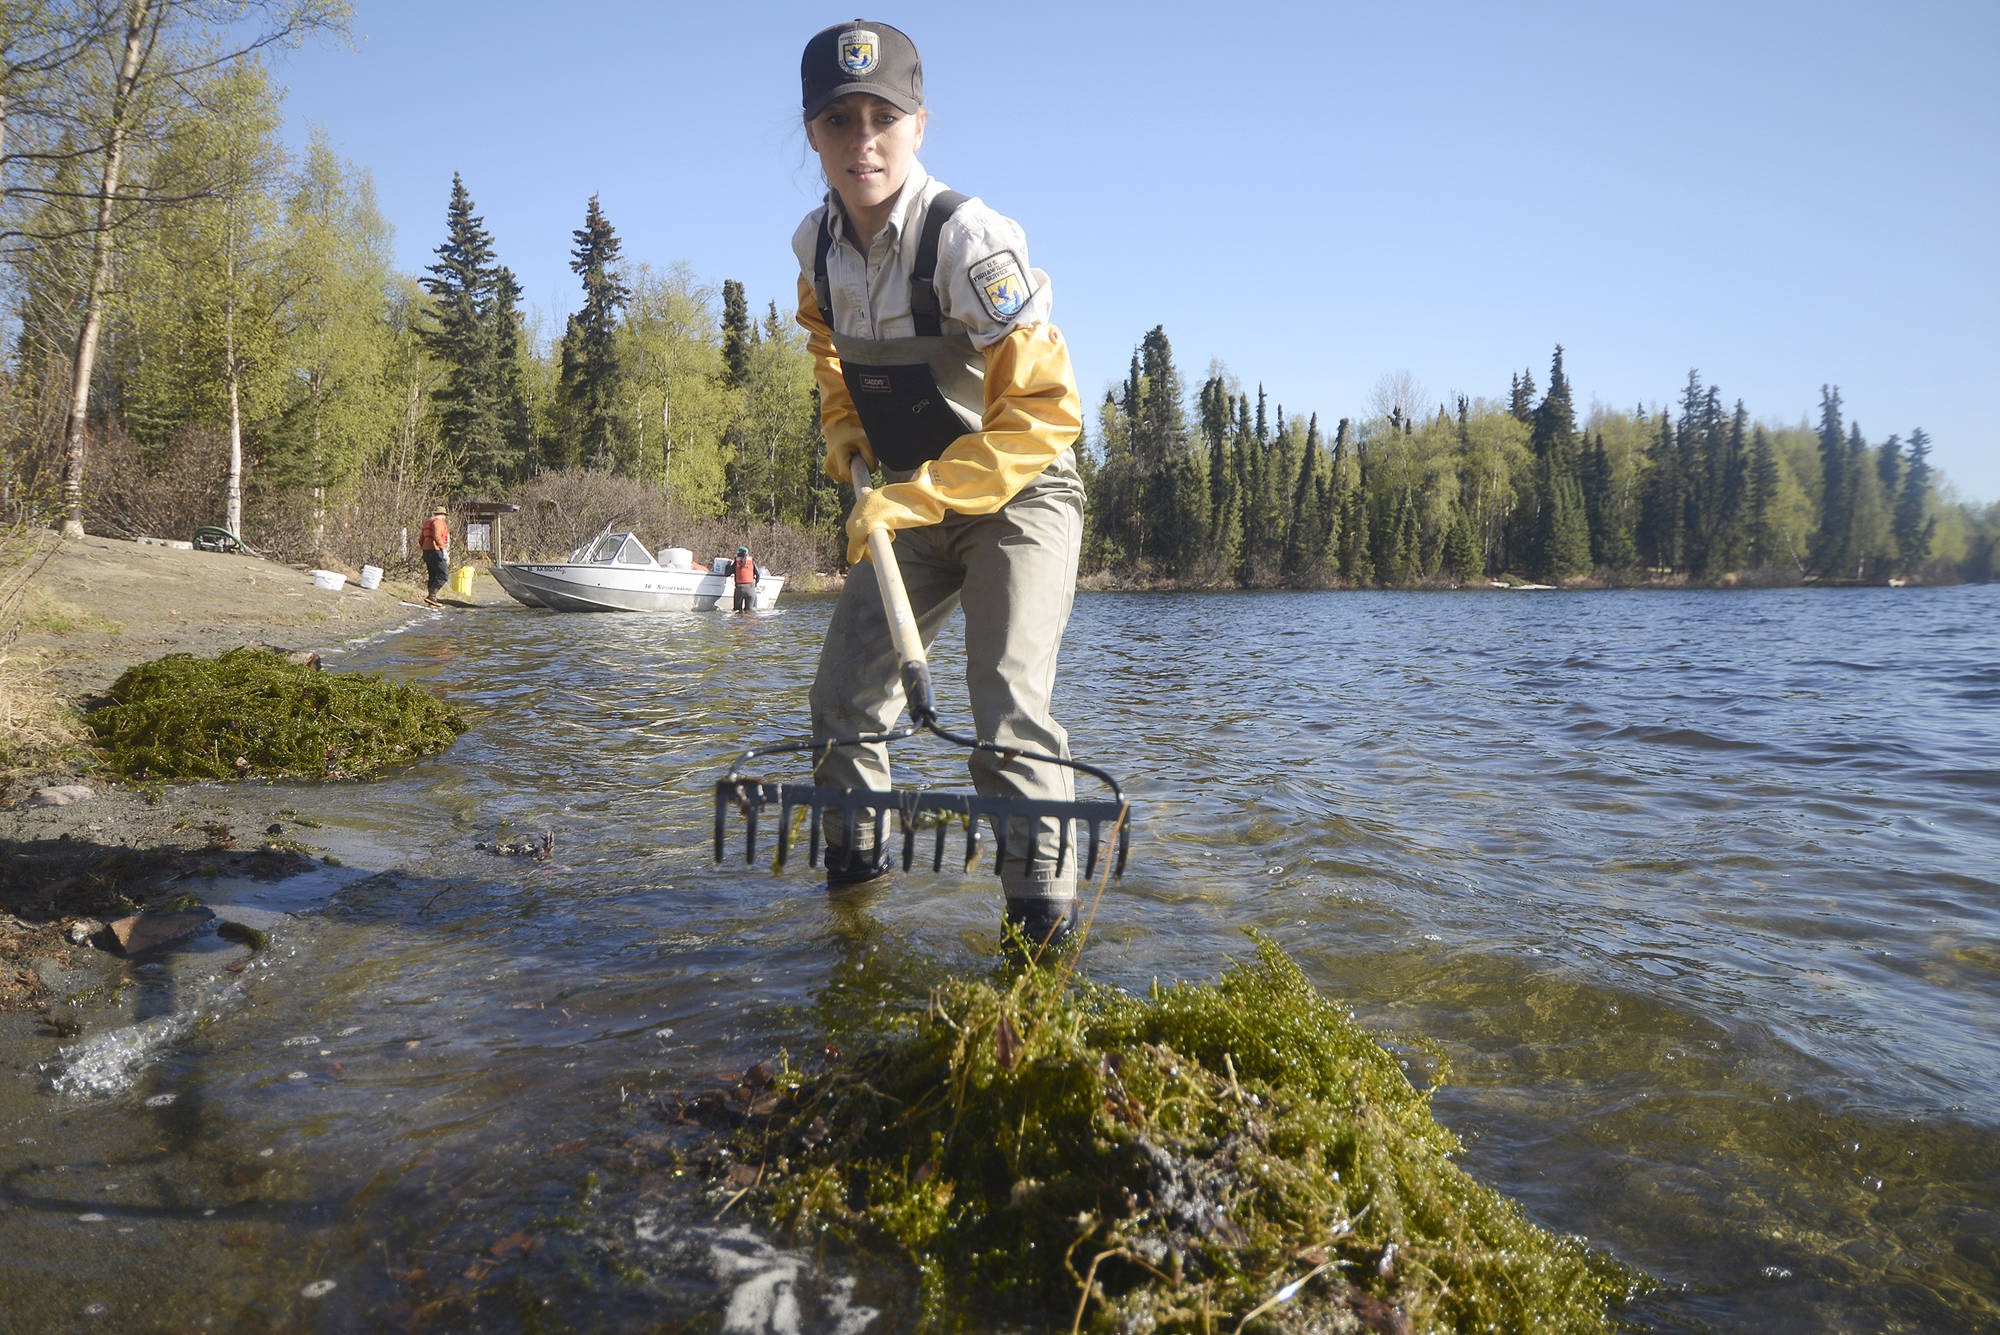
[
  {"x": 924, "y": 308},
  {"x": 925, "y": 311},
  {"x": 823, "y": 290}
]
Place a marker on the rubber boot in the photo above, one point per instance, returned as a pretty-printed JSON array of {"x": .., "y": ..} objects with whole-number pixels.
[
  {"x": 1042, "y": 923},
  {"x": 847, "y": 870}
]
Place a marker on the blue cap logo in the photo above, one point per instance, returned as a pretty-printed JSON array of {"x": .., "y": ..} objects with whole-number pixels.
[{"x": 858, "y": 52}]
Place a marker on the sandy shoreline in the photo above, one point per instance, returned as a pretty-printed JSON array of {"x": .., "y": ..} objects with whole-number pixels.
[
  {"x": 90, "y": 609},
  {"x": 128, "y": 602}
]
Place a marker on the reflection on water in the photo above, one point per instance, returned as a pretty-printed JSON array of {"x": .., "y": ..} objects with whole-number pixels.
[{"x": 1695, "y": 890}]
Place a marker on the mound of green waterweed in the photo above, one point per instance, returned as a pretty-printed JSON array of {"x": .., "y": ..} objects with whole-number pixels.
[
  {"x": 250, "y": 712},
  {"x": 1236, "y": 1156}
]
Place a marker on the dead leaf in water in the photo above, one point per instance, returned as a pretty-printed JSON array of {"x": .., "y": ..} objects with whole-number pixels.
[{"x": 1006, "y": 1043}]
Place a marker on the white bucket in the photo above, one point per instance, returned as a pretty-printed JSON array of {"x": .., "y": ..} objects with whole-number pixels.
[
  {"x": 371, "y": 577},
  {"x": 329, "y": 579},
  {"x": 677, "y": 558},
  {"x": 721, "y": 566}
]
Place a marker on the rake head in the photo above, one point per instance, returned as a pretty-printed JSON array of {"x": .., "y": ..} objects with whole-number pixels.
[{"x": 931, "y": 813}]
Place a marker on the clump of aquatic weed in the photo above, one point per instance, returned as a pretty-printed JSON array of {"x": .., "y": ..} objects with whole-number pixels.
[
  {"x": 1239, "y": 1156},
  {"x": 250, "y": 712}
]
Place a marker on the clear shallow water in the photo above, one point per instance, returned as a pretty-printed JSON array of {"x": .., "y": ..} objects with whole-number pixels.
[{"x": 1697, "y": 891}]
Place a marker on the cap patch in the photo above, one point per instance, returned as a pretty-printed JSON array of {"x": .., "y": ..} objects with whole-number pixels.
[
  {"x": 859, "y": 51},
  {"x": 1001, "y": 285}
]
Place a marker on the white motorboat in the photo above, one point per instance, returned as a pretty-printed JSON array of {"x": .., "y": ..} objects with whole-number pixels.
[{"x": 616, "y": 573}]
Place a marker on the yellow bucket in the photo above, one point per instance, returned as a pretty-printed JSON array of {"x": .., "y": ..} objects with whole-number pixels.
[{"x": 461, "y": 581}]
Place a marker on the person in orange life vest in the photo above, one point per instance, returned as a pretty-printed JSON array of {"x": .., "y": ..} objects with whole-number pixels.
[
  {"x": 434, "y": 539},
  {"x": 937, "y": 365},
  {"x": 745, "y": 571}
]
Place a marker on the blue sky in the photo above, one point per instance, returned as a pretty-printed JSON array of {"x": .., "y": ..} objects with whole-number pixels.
[{"x": 1781, "y": 195}]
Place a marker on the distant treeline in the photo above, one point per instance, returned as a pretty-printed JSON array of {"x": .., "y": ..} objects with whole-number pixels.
[
  {"x": 205, "y": 329},
  {"x": 1218, "y": 492}
]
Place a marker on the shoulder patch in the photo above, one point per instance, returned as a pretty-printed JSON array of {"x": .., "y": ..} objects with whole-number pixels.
[{"x": 1002, "y": 284}]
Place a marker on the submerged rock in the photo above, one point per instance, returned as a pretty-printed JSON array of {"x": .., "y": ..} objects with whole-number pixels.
[{"x": 150, "y": 931}]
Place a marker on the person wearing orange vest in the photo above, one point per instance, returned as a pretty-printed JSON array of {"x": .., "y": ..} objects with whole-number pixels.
[
  {"x": 434, "y": 540},
  {"x": 745, "y": 571}
]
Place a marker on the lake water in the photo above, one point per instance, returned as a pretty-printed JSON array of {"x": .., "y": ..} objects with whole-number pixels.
[{"x": 1700, "y": 893}]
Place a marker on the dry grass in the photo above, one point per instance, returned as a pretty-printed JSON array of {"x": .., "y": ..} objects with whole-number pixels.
[{"x": 39, "y": 731}]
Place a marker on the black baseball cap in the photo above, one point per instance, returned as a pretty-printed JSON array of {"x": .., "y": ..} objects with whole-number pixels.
[{"x": 861, "y": 57}]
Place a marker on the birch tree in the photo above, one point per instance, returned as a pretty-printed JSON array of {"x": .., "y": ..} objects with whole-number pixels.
[
  {"x": 160, "y": 49},
  {"x": 337, "y": 340}
]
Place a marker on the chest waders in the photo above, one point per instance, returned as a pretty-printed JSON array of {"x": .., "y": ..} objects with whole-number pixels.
[{"x": 915, "y": 396}]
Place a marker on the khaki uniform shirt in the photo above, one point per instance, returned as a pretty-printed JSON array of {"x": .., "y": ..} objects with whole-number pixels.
[{"x": 984, "y": 282}]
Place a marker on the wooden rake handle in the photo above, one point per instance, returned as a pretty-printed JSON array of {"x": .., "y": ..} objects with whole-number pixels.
[{"x": 903, "y": 632}]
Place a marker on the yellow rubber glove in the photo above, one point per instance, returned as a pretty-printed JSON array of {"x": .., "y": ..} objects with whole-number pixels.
[
  {"x": 838, "y": 420},
  {"x": 1033, "y": 413}
]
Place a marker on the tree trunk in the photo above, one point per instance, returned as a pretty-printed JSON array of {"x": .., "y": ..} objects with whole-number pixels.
[
  {"x": 318, "y": 382},
  {"x": 232, "y": 376},
  {"x": 74, "y": 427}
]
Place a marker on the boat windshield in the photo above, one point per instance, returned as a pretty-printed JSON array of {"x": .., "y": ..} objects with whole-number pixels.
[{"x": 623, "y": 549}]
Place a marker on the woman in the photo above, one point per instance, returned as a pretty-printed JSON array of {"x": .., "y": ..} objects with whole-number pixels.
[{"x": 938, "y": 367}]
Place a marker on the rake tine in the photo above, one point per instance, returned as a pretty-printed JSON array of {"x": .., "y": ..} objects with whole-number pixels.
[
  {"x": 849, "y": 821},
  {"x": 999, "y": 846},
  {"x": 1034, "y": 842},
  {"x": 784, "y": 828},
  {"x": 750, "y": 830},
  {"x": 1124, "y": 842},
  {"x": 1090, "y": 861},
  {"x": 937, "y": 857},
  {"x": 909, "y": 819},
  {"x": 721, "y": 819},
  {"x": 971, "y": 840},
  {"x": 1062, "y": 845},
  {"x": 812, "y": 850},
  {"x": 881, "y": 828}
]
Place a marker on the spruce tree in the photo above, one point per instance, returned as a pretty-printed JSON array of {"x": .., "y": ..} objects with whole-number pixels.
[
  {"x": 1461, "y": 548},
  {"x": 592, "y": 388},
  {"x": 1726, "y": 550},
  {"x": 1521, "y": 402},
  {"x": 1177, "y": 508},
  {"x": 1693, "y": 456},
  {"x": 736, "y": 334},
  {"x": 1247, "y": 451},
  {"x": 1306, "y": 534},
  {"x": 1562, "y": 526},
  {"x": 1225, "y": 501},
  {"x": 1357, "y": 564},
  {"x": 463, "y": 338},
  {"x": 512, "y": 400},
  {"x": 1760, "y": 536},
  {"x": 1889, "y": 465},
  {"x": 1863, "y": 502},
  {"x": 1836, "y": 512},
  {"x": 1915, "y": 526},
  {"x": 1658, "y": 532},
  {"x": 1610, "y": 532},
  {"x": 1333, "y": 505}
]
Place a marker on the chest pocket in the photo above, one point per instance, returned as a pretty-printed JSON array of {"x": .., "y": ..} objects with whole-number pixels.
[{"x": 906, "y": 415}]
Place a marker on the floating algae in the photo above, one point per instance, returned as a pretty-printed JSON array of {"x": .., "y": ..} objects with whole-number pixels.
[
  {"x": 1235, "y": 1156},
  {"x": 250, "y": 712}
]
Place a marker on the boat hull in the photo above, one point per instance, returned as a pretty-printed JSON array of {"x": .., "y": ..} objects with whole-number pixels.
[{"x": 577, "y": 587}]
